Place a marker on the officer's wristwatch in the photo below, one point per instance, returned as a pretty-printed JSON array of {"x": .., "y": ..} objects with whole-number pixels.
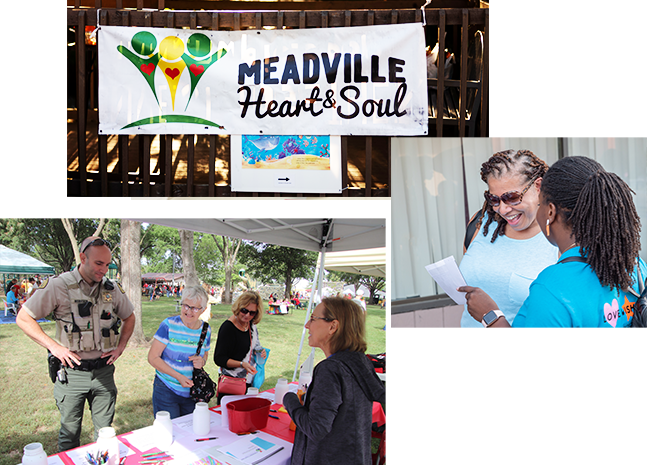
[{"x": 490, "y": 317}]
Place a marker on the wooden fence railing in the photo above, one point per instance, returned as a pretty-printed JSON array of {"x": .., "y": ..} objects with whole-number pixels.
[{"x": 197, "y": 166}]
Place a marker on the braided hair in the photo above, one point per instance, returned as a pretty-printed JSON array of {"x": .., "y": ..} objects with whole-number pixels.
[
  {"x": 599, "y": 207},
  {"x": 521, "y": 162}
]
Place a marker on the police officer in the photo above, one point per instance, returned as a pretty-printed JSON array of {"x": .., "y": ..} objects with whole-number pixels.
[{"x": 94, "y": 320}]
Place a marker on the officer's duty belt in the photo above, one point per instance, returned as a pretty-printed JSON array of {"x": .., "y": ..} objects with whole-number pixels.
[{"x": 89, "y": 365}]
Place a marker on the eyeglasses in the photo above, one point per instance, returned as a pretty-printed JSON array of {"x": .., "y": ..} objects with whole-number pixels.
[
  {"x": 244, "y": 311},
  {"x": 193, "y": 309},
  {"x": 509, "y": 198},
  {"x": 98, "y": 241},
  {"x": 315, "y": 318}
]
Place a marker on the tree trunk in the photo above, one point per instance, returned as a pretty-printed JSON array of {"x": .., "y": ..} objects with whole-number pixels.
[
  {"x": 188, "y": 264},
  {"x": 67, "y": 224},
  {"x": 226, "y": 298},
  {"x": 99, "y": 230},
  {"x": 288, "y": 283},
  {"x": 229, "y": 260},
  {"x": 131, "y": 274},
  {"x": 70, "y": 232}
]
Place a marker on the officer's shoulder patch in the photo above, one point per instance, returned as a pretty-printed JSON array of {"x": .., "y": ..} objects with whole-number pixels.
[
  {"x": 43, "y": 284},
  {"x": 121, "y": 288}
]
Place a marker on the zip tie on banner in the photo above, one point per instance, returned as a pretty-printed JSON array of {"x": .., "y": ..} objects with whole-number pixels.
[
  {"x": 94, "y": 33},
  {"x": 424, "y": 16}
]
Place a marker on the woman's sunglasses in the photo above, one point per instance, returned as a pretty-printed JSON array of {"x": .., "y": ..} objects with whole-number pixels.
[
  {"x": 244, "y": 311},
  {"x": 510, "y": 198}
]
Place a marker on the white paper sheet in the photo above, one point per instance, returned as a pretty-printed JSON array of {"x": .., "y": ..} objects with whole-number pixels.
[
  {"x": 446, "y": 273},
  {"x": 186, "y": 422},
  {"x": 251, "y": 449},
  {"x": 143, "y": 439},
  {"x": 55, "y": 460}
]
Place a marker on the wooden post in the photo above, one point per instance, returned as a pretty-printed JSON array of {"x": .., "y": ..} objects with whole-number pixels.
[
  {"x": 462, "y": 115},
  {"x": 212, "y": 164},
  {"x": 486, "y": 74},
  {"x": 124, "y": 163},
  {"x": 103, "y": 164},
  {"x": 81, "y": 102},
  {"x": 190, "y": 161},
  {"x": 168, "y": 178},
  {"x": 440, "y": 90},
  {"x": 368, "y": 176}
]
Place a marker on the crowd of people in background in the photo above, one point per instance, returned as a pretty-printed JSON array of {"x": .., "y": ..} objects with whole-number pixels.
[
  {"x": 17, "y": 293},
  {"x": 155, "y": 291}
]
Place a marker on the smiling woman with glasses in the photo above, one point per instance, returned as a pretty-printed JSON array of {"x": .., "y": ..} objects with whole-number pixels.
[
  {"x": 173, "y": 354},
  {"x": 238, "y": 340},
  {"x": 334, "y": 421},
  {"x": 504, "y": 247}
]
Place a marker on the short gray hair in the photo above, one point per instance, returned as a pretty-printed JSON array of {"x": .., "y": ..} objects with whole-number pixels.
[{"x": 195, "y": 293}]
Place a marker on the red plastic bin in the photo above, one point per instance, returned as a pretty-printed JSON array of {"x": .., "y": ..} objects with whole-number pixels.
[{"x": 248, "y": 415}]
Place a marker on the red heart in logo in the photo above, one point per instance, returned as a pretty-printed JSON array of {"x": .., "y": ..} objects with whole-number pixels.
[
  {"x": 148, "y": 69},
  {"x": 172, "y": 72},
  {"x": 196, "y": 69}
]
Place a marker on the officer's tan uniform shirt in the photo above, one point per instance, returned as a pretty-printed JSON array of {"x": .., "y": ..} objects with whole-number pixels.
[{"x": 53, "y": 298}]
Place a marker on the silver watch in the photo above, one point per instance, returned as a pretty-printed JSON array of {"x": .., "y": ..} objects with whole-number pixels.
[{"x": 491, "y": 316}]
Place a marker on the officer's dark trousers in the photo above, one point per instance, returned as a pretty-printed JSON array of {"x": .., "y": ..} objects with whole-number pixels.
[{"x": 98, "y": 388}]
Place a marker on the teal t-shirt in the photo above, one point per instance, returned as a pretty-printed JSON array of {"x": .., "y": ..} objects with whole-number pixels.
[
  {"x": 181, "y": 343},
  {"x": 570, "y": 295}
]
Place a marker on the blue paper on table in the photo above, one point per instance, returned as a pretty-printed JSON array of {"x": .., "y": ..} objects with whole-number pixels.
[{"x": 259, "y": 377}]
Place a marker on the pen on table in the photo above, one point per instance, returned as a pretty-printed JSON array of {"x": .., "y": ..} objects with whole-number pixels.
[
  {"x": 153, "y": 453},
  {"x": 204, "y": 439},
  {"x": 273, "y": 416},
  {"x": 155, "y": 461},
  {"x": 159, "y": 454}
]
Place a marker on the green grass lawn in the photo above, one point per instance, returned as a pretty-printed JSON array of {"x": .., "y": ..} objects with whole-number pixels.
[{"x": 29, "y": 413}]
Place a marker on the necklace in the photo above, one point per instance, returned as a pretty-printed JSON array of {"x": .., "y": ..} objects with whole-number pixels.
[
  {"x": 570, "y": 246},
  {"x": 238, "y": 325}
]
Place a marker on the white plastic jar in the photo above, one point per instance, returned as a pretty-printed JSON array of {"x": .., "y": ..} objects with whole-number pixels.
[{"x": 33, "y": 454}]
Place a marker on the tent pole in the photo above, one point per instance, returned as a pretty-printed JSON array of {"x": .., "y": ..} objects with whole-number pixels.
[{"x": 318, "y": 280}]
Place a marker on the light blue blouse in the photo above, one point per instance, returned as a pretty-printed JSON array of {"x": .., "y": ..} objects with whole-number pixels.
[{"x": 505, "y": 269}]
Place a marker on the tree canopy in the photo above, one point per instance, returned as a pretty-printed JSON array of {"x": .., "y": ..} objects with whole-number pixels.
[{"x": 275, "y": 263}]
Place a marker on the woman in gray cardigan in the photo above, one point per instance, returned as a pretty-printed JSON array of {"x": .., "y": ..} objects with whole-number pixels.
[{"x": 334, "y": 423}]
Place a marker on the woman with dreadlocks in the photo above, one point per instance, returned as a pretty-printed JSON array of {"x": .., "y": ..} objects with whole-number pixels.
[
  {"x": 589, "y": 214},
  {"x": 507, "y": 249}
]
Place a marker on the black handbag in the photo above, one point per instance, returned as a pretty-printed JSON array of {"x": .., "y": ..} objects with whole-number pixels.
[{"x": 203, "y": 388}]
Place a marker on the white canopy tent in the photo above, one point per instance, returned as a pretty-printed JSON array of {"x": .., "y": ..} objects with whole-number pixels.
[
  {"x": 370, "y": 262},
  {"x": 319, "y": 235},
  {"x": 14, "y": 262}
]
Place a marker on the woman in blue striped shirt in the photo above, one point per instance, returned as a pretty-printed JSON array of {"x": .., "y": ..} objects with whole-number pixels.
[{"x": 173, "y": 354}]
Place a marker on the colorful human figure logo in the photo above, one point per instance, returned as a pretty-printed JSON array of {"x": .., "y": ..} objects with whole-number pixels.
[{"x": 172, "y": 59}]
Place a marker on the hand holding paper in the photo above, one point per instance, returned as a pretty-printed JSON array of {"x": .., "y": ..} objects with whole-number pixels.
[{"x": 446, "y": 273}]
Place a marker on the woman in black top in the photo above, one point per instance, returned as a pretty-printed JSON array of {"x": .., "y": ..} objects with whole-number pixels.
[{"x": 237, "y": 337}]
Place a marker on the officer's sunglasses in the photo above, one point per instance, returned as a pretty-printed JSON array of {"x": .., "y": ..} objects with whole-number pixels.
[
  {"x": 97, "y": 242},
  {"x": 510, "y": 198}
]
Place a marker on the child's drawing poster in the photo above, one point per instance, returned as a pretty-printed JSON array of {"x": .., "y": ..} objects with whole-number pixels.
[
  {"x": 286, "y": 152},
  {"x": 289, "y": 164}
]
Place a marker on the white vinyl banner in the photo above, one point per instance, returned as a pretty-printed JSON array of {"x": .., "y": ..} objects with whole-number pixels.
[{"x": 368, "y": 80}]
